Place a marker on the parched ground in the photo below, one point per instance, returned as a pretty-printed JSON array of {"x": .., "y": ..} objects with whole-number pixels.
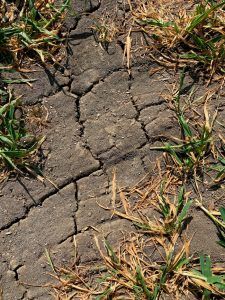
[{"x": 99, "y": 120}]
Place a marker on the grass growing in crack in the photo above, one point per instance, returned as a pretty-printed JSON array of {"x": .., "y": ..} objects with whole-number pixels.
[
  {"x": 17, "y": 146},
  {"x": 172, "y": 213},
  {"x": 134, "y": 276},
  {"x": 194, "y": 33},
  {"x": 189, "y": 153},
  {"x": 29, "y": 29}
]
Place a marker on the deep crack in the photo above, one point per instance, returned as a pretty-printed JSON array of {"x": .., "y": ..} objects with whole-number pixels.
[
  {"x": 48, "y": 195},
  {"x": 138, "y": 119}
]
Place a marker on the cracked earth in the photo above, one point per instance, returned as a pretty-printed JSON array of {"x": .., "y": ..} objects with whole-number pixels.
[{"x": 99, "y": 120}]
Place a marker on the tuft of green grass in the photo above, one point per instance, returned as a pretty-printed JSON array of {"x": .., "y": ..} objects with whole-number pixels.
[
  {"x": 174, "y": 33},
  {"x": 172, "y": 210},
  {"x": 30, "y": 29},
  {"x": 177, "y": 275},
  {"x": 193, "y": 34},
  {"x": 189, "y": 152},
  {"x": 17, "y": 146},
  {"x": 209, "y": 280}
]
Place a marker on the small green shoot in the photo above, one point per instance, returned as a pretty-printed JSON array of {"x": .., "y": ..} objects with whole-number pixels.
[{"x": 174, "y": 212}]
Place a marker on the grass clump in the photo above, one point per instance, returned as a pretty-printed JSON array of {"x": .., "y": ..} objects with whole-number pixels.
[
  {"x": 194, "y": 33},
  {"x": 172, "y": 212},
  {"x": 175, "y": 33},
  {"x": 17, "y": 146},
  {"x": 30, "y": 29},
  {"x": 105, "y": 30},
  {"x": 132, "y": 274},
  {"x": 129, "y": 273},
  {"x": 190, "y": 152}
]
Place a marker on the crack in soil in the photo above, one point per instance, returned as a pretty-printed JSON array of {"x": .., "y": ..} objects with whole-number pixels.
[
  {"x": 137, "y": 117},
  {"x": 16, "y": 271},
  {"x": 89, "y": 90},
  {"x": 152, "y": 105},
  {"x": 48, "y": 195}
]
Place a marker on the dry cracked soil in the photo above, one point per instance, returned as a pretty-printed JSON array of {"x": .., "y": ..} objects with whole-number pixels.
[{"x": 99, "y": 120}]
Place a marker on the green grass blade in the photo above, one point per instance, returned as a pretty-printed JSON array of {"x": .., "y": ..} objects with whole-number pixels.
[
  {"x": 184, "y": 212},
  {"x": 180, "y": 198},
  {"x": 5, "y": 107},
  {"x": 6, "y": 140},
  {"x": 9, "y": 161},
  {"x": 183, "y": 261},
  {"x": 50, "y": 260},
  {"x": 202, "y": 16},
  {"x": 155, "y": 22},
  {"x": 222, "y": 212},
  {"x": 141, "y": 281},
  {"x": 111, "y": 253},
  {"x": 222, "y": 160},
  {"x": 184, "y": 126}
]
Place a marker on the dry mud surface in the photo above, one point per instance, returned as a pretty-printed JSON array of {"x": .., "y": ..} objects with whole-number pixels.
[{"x": 99, "y": 120}]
